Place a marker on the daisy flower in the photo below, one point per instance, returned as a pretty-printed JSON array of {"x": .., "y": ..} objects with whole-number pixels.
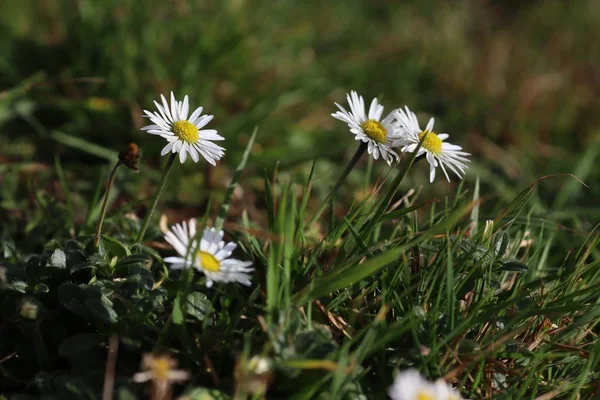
[
  {"x": 410, "y": 385},
  {"x": 184, "y": 135},
  {"x": 211, "y": 257},
  {"x": 160, "y": 369},
  {"x": 369, "y": 128},
  {"x": 437, "y": 151}
]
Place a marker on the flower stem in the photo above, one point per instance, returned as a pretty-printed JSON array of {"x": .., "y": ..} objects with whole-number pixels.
[
  {"x": 111, "y": 363},
  {"x": 39, "y": 346},
  {"x": 186, "y": 282},
  {"x": 159, "y": 189},
  {"x": 111, "y": 179},
  {"x": 362, "y": 147}
]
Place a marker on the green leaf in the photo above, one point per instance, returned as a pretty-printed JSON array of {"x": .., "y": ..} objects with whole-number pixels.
[
  {"x": 132, "y": 259},
  {"x": 102, "y": 310},
  {"x": 41, "y": 288},
  {"x": 514, "y": 266},
  {"x": 139, "y": 248},
  {"x": 125, "y": 394},
  {"x": 58, "y": 259},
  {"x": 177, "y": 314},
  {"x": 398, "y": 213},
  {"x": 76, "y": 259},
  {"x": 198, "y": 305},
  {"x": 77, "y": 344},
  {"x": 17, "y": 286},
  {"x": 85, "y": 146},
  {"x": 135, "y": 272},
  {"x": 200, "y": 393},
  {"x": 501, "y": 243},
  {"x": 86, "y": 301},
  {"x": 114, "y": 246}
]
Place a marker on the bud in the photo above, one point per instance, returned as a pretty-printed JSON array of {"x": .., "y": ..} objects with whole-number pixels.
[
  {"x": 488, "y": 230},
  {"x": 29, "y": 309},
  {"x": 129, "y": 157}
]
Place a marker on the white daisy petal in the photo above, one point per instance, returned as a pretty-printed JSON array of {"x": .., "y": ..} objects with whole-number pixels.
[
  {"x": 431, "y": 173},
  {"x": 185, "y": 108},
  {"x": 210, "y": 134},
  {"x": 429, "y": 127},
  {"x": 174, "y": 112},
  {"x": 183, "y": 153},
  {"x": 174, "y": 260},
  {"x": 195, "y": 115},
  {"x": 202, "y": 121},
  {"x": 166, "y": 108},
  {"x": 194, "y": 154},
  {"x": 167, "y": 148}
]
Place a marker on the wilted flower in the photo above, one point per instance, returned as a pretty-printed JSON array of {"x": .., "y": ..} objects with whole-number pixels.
[
  {"x": 160, "y": 369},
  {"x": 369, "y": 128},
  {"x": 436, "y": 150},
  {"x": 185, "y": 135},
  {"x": 210, "y": 257},
  {"x": 129, "y": 156}
]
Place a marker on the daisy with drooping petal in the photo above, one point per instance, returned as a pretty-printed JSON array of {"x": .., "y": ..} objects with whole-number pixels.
[
  {"x": 369, "y": 128},
  {"x": 210, "y": 257},
  {"x": 410, "y": 385},
  {"x": 437, "y": 151},
  {"x": 185, "y": 135},
  {"x": 447, "y": 392}
]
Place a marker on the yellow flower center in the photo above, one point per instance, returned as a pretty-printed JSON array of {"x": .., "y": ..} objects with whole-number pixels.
[
  {"x": 208, "y": 261},
  {"x": 186, "y": 131},
  {"x": 161, "y": 366},
  {"x": 432, "y": 142},
  {"x": 375, "y": 130},
  {"x": 423, "y": 395}
]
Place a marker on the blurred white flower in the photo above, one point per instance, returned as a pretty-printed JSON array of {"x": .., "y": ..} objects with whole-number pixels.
[
  {"x": 210, "y": 257},
  {"x": 410, "y": 385},
  {"x": 370, "y": 128},
  {"x": 437, "y": 151},
  {"x": 446, "y": 392},
  {"x": 160, "y": 369},
  {"x": 185, "y": 135}
]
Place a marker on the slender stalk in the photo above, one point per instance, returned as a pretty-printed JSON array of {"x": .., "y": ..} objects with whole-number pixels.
[
  {"x": 111, "y": 180},
  {"x": 159, "y": 189},
  {"x": 111, "y": 363},
  {"x": 362, "y": 147},
  {"x": 39, "y": 346}
]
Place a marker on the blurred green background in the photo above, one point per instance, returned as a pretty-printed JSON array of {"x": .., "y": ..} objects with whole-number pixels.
[{"x": 516, "y": 83}]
